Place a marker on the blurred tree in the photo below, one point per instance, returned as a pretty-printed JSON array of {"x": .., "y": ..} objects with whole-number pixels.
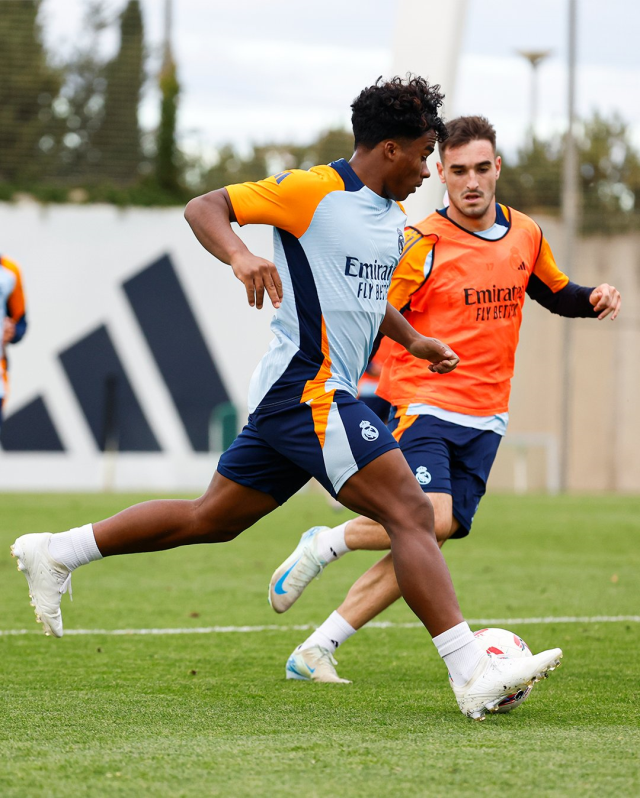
[
  {"x": 167, "y": 167},
  {"x": 609, "y": 174},
  {"x": 78, "y": 111},
  {"x": 27, "y": 87},
  {"x": 330, "y": 146},
  {"x": 268, "y": 159},
  {"x": 118, "y": 138},
  {"x": 533, "y": 183}
]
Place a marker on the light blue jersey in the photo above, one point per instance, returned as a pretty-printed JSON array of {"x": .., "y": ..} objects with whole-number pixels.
[{"x": 336, "y": 244}]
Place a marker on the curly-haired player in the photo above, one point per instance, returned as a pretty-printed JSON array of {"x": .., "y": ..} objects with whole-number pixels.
[
  {"x": 338, "y": 237},
  {"x": 397, "y": 109}
]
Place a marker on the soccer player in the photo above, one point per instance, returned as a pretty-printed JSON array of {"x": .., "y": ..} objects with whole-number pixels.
[
  {"x": 465, "y": 271},
  {"x": 338, "y": 236},
  {"x": 13, "y": 318}
]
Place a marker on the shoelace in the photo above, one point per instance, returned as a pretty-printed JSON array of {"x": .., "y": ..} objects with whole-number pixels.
[
  {"x": 326, "y": 654},
  {"x": 308, "y": 562},
  {"x": 320, "y": 565}
]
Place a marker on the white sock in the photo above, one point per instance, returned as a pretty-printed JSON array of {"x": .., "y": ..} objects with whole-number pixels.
[
  {"x": 330, "y": 543},
  {"x": 75, "y": 547},
  {"x": 334, "y": 631},
  {"x": 460, "y": 651}
]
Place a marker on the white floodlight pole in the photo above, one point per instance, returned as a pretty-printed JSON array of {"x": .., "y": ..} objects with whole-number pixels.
[
  {"x": 570, "y": 199},
  {"x": 427, "y": 42},
  {"x": 535, "y": 58}
]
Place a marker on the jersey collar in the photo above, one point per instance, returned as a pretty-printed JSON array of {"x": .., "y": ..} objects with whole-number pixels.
[{"x": 351, "y": 180}]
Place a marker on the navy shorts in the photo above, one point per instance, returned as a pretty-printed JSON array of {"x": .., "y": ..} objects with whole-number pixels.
[
  {"x": 282, "y": 446},
  {"x": 448, "y": 458},
  {"x": 379, "y": 405}
]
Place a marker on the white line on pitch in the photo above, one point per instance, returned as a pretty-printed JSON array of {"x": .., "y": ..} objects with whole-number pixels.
[{"x": 205, "y": 630}]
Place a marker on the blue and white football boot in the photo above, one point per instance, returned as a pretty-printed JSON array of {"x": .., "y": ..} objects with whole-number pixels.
[
  {"x": 295, "y": 573},
  {"x": 313, "y": 664}
]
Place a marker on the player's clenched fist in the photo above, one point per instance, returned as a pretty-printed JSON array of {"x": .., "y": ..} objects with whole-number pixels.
[
  {"x": 606, "y": 300},
  {"x": 443, "y": 358}
]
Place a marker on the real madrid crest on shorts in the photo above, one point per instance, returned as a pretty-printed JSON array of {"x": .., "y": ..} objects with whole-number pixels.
[
  {"x": 422, "y": 475},
  {"x": 369, "y": 432}
]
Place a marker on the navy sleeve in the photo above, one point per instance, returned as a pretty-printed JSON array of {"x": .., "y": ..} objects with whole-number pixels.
[
  {"x": 21, "y": 328},
  {"x": 571, "y": 301}
]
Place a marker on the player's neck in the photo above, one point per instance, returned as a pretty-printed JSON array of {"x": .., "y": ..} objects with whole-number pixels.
[
  {"x": 473, "y": 224},
  {"x": 368, "y": 170}
]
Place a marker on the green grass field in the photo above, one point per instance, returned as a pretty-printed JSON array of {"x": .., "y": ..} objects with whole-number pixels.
[{"x": 211, "y": 714}]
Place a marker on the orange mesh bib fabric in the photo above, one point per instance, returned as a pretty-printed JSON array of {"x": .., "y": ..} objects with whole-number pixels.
[{"x": 472, "y": 300}]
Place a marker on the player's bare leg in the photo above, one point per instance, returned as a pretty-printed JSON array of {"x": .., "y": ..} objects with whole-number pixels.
[
  {"x": 225, "y": 510},
  {"x": 321, "y": 545},
  {"x": 313, "y": 660},
  {"x": 363, "y": 534},
  {"x": 479, "y": 682},
  {"x": 386, "y": 491},
  {"x": 378, "y": 587}
]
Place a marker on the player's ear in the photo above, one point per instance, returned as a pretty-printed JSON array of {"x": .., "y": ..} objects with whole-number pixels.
[
  {"x": 441, "y": 172},
  {"x": 498, "y": 166},
  {"x": 390, "y": 148}
]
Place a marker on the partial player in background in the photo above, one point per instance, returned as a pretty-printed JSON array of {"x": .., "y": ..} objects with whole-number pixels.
[
  {"x": 13, "y": 319},
  {"x": 464, "y": 272},
  {"x": 338, "y": 237}
]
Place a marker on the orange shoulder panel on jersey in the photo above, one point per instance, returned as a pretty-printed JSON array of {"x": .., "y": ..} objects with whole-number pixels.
[
  {"x": 15, "y": 303},
  {"x": 409, "y": 273},
  {"x": 545, "y": 269},
  {"x": 506, "y": 210},
  {"x": 287, "y": 200}
]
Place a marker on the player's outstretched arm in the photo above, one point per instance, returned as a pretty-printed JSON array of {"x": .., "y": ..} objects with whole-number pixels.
[
  {"x": 443, "y": 359},
  {"x": 210, "y": 217},
  {"x": 606, "y": 300}
]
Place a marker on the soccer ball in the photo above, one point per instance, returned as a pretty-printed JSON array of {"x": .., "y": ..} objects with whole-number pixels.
[{"x": 502, "y": 643}]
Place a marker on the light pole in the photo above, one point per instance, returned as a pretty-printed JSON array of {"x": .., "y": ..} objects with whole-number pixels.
[
  {"x": 535, "y": 58},
  {"x": 570, "y": 210}
]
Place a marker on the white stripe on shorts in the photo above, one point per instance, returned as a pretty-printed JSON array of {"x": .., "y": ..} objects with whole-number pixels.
[{"x": 338, "y": 457}]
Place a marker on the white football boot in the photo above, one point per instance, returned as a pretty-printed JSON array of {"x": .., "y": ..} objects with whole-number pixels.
[
  {"x": 313, "y": 664},
  {"x": 495, "y": 678},
  {"x": 295, "y": 573},
  {"x": 47, "y": 579}
]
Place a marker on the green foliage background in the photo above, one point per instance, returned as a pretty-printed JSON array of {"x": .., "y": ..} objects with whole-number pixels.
[{"x": 69, "y": 131}]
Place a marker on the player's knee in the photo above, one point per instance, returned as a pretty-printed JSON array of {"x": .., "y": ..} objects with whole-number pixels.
[
  {"x": 211, "y": 526},
  {"x": 210, "y": 532},
  {"x": 414, "y": 516}
]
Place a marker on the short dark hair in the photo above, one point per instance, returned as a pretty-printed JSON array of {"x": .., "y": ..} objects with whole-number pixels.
[
  {"x": 464, "y": 129},
  {"x": 397, "y": 109}
]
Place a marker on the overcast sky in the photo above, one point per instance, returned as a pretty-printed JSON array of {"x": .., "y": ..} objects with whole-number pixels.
[{"x": 256, "y": 71}]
